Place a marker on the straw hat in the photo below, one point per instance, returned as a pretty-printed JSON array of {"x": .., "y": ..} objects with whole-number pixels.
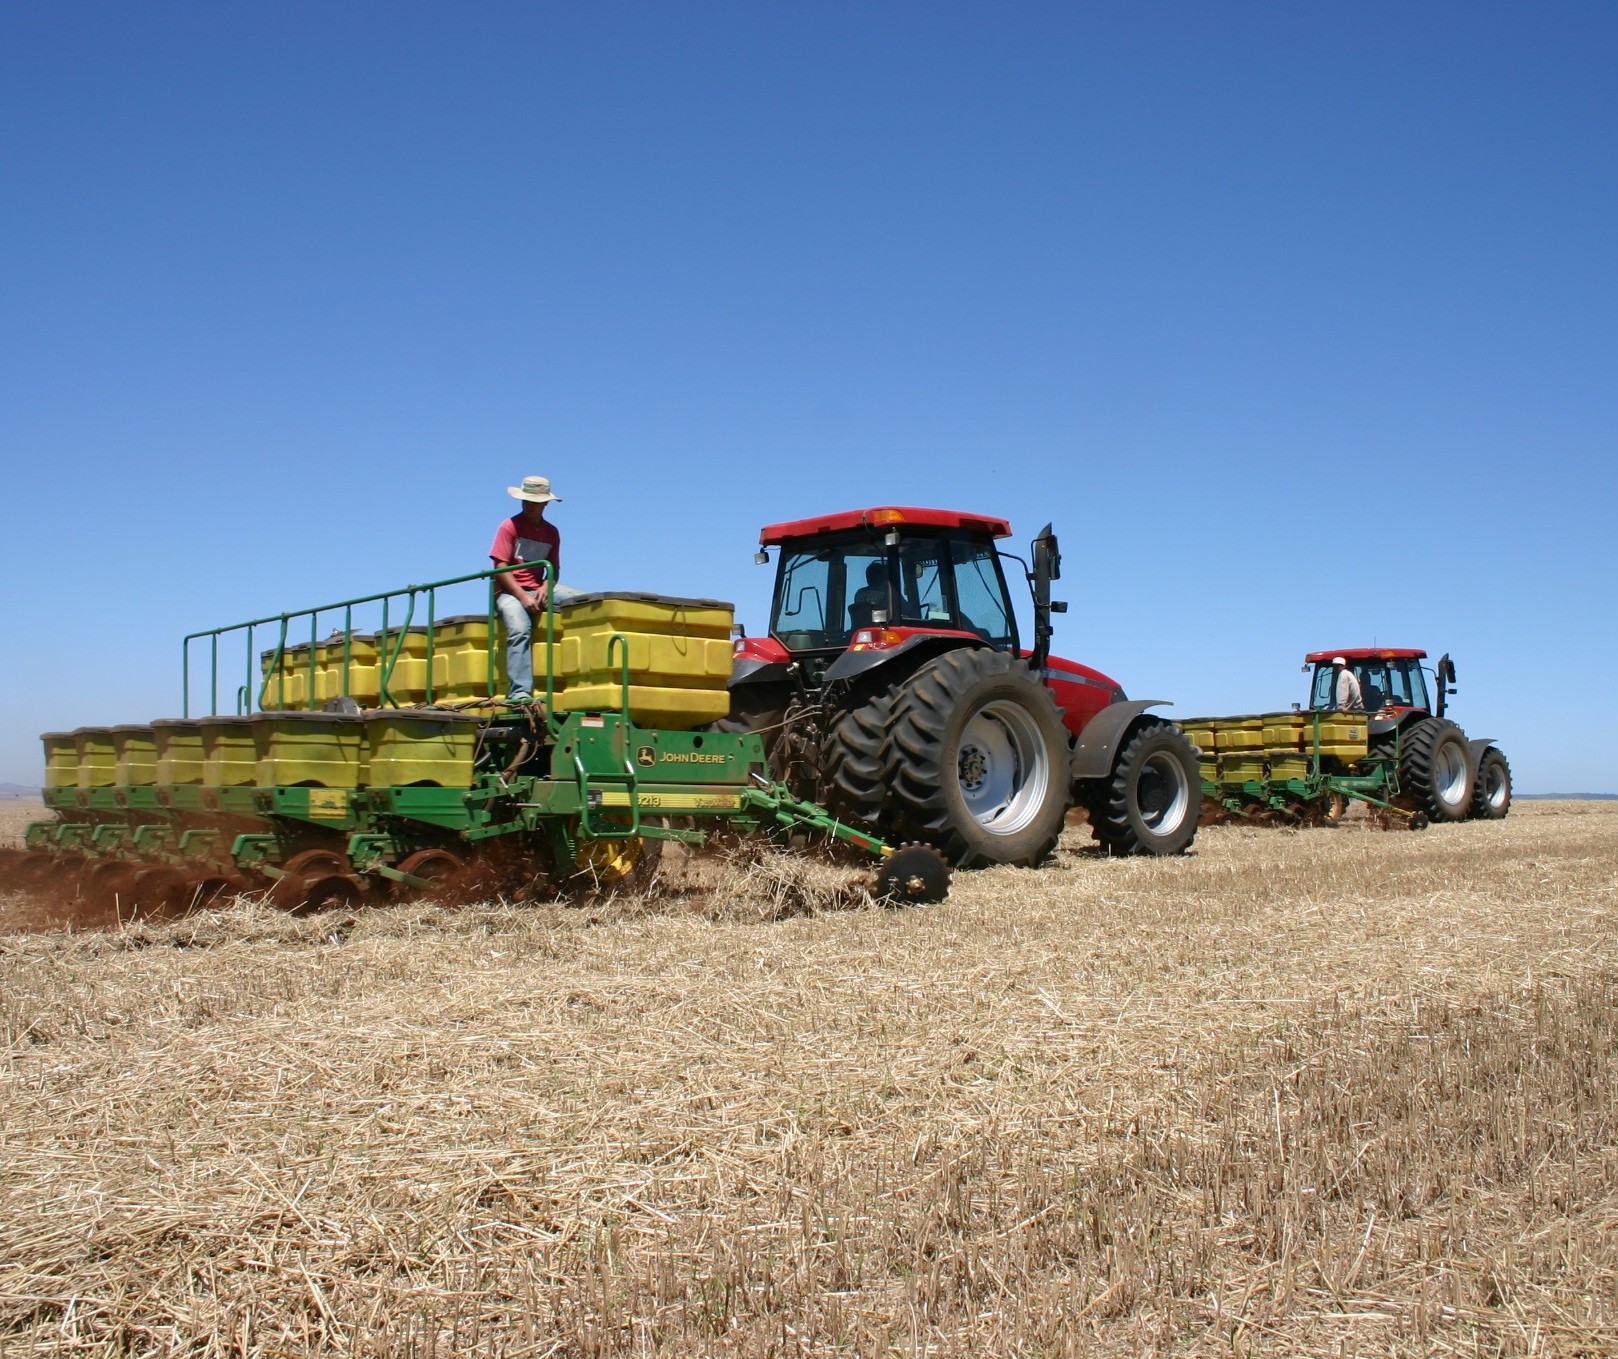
[{"x": 537, "y": 489}]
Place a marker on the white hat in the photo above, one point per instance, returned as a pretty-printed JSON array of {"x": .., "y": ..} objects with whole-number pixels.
[
  {"x": 537, "y": 489},
  {"x": 1338, "y": 660}
]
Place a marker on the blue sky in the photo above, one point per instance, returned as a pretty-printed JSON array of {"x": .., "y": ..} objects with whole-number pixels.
[{"x": 1297, "y": 320}]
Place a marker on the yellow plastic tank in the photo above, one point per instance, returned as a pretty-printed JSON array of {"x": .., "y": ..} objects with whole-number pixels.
[
  {"x": 1287, "y": 731},
  {"x": 1239, "y": 734},
  {"x": 285, "y": 686},
  {"x": 323, "y": 750},
  {"x": 407, "y": 648},
  {"x": 228, "y": 757},
  {"x": 135, "y": 753},
  {"x": 1344, "y": 736},
  {"x": 1200, "y": 731},
  {"x": 96, "y": 758},
  {"x": 462, "y": 660},
  {"x": 179, "y": 750},
  {"x": 61, "y": 759},
  {"x": 1288, "y": 765},
  {"x": 415, "y": 746},
  {"x": 362, "y": 666},
  {"x": 1244, "y": 768},
  {"x": 680, "y": 657}
]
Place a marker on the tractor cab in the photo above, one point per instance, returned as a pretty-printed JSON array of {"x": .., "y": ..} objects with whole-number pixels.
[
  {"x": 1393, "y": 681},
  {"x": 861, "y": 586},
  {"x": 891, "y": 571}
]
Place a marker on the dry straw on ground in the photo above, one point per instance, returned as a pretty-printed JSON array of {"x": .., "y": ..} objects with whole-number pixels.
[{"x": 1320, "y": 1092}]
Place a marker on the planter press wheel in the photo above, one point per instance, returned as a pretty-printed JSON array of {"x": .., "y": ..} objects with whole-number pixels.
[
  {"x": 442, "y": 868},
  {"x": 110, "y": 883},
  {"x": 314, "y": 879},
  {"x": 31, "y": 869},
  {"x": 160, "y": 890}
]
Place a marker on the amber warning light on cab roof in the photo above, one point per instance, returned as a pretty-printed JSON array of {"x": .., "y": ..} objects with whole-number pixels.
[{"x": 884, "y": 516}]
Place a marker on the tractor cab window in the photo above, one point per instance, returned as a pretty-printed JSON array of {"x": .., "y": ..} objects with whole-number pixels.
[
  {"x": 802, "y": 592},
  {"x": 866, "y": 588},
  {"x": 922, "y": 600},
  {"x": 823, "y": 595},
  {"x": 1396, "y": 683},
  {"x": 980, "y": 592}
]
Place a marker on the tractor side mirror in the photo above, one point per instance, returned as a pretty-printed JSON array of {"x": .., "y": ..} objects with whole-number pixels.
[
  {"x": 891, "y": 538},
  {"x": 762, "y": 557},
  {"x": 1047, "y": 555}
]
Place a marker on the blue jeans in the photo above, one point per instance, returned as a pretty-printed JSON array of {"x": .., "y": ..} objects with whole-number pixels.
[{"x": 519, "y": 626}]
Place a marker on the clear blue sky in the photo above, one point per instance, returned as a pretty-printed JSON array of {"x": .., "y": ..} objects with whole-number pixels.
[{"x": 1298, "y": 320}]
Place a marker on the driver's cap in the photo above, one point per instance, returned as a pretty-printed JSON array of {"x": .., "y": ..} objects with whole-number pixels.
[{"x": 1339, "y": 660}]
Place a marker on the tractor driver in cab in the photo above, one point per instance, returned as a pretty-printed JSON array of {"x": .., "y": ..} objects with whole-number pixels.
[
  {"x": 520, "y": 595},
  {"x": 871, "y": 598},
  {"x": 1345, "y": 687}
]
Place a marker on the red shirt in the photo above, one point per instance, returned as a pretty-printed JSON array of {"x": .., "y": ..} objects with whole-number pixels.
[{"x": 520, "y": 539}]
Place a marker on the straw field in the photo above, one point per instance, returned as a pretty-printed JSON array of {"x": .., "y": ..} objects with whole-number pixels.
[{"x": 1318, "y": 1092}]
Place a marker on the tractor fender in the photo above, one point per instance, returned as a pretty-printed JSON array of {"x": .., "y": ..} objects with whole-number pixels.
[
  {"x": 853, "y": 663},
  {"x": 1098, "y": 742},
  {"x": 1476, "y": 745},
  {"x": 750, "y": 670}
]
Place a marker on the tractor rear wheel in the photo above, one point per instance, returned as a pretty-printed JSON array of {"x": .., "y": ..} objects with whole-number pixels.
[
  {"x": 1435, "y": 769},
  {"x": 1491, "y": 790},
  {"x": 1152, "y": 800},
  {"x": 856, "y": 760},
  {"x": 979, "y": 760}
]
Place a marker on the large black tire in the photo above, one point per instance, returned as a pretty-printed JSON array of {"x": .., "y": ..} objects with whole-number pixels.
[
  {"x": 754, "y": 707},
  {"x": 1152, "y": 801},
  {"x": 1491, "y": 790},
  {"x": 979, "y": 760},
  {"x": 758, "y": 708},
  {"x": 856, "y": 760},
  {"x": 1435, "y": 769}
]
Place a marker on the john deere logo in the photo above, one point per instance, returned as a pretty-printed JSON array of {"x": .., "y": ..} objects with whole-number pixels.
[{"x": 646, "y": 757}]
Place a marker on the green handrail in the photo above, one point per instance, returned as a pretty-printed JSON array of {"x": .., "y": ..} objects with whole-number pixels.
[{"x": 390, "y": 649}]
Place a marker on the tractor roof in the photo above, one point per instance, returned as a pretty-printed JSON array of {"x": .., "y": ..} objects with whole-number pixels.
[
  {"x": 1367, "y": 653},
  {"x": 884, "y": 516}
]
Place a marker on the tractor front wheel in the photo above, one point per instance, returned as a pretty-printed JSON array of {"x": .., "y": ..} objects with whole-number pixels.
[
  {"x": 1152, "y": 801},
  {"x": 1491, "y": 791},
  {"x": 979, "y": 760}
]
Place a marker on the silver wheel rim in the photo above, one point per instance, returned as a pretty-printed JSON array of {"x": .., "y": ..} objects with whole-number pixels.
[
  {"x": 1495, "y": 790},
  {"x": 1163, "y": 793},
  {"x": 1002, "y": 767},
  {"x": 1449, "y": 773}
]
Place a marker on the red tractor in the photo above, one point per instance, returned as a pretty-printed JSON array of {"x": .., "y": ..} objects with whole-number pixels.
[
  {"x": 1441, "y": 771},
  {"x": 894, "y": 689}
]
